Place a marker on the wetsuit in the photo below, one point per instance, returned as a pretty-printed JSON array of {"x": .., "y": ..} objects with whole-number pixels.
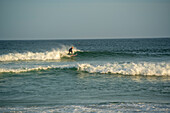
[{"x": 70, "y": 50}]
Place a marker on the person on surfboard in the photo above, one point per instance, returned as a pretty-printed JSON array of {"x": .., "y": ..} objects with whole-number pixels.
[{"x": 71, "y": 50}]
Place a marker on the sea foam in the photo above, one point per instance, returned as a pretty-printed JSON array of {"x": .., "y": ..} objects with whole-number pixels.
[
  {"x": 95, "y": 108},
  {"x": 141, "y": 68}
]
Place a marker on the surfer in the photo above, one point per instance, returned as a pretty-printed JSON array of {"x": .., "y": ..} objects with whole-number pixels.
[{"x": 71, "y": 50}]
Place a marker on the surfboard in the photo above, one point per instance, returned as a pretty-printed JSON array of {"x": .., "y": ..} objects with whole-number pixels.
[{"x": 73, "y": 55}]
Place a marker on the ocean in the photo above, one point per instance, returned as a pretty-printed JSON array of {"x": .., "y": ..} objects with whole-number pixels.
[{"x": 106, "y": 76}]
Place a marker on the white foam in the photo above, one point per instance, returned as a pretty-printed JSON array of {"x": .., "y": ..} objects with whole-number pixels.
[
  {"x": 141, "y": 68},
  {"x": 48, "y": 55},
  {"x": 23, "y": 70},
  {"x": 107, "y": 108},
  {"x": 20, "y": 70}
]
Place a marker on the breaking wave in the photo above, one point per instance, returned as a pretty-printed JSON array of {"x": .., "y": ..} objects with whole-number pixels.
[
  {"x": 142, "y": 68},
  {"x": 126, "y": 68},
  {"x": 20, "y": 70},
  {"x": 48, "y": 55}
]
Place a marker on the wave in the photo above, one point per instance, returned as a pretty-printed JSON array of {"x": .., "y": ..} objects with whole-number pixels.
[
  {"x": 105, "y": 54},
  {"x": 121, "y": 54},
  {"x": 142, "y": 68},
  {"x": 126, "y": 68},
  {"x": 59, "y": 53},
  {"x": 48, "y": 55},
  {"x": 38, "y": 68}
]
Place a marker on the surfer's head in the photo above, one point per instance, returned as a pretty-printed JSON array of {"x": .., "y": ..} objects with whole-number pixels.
[{"x": 72, "y": 47}]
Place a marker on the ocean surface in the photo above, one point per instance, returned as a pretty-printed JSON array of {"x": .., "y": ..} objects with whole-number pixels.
[{"x": 107, "y": 75}]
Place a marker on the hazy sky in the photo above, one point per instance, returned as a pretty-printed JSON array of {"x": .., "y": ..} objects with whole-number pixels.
[{"x": 59, "y": 19}]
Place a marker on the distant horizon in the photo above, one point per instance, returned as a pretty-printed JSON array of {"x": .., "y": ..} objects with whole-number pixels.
[{"x": 85, "y": 38}]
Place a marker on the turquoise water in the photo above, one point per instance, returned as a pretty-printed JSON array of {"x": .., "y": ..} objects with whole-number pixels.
[{"x": 125, "y": 75}]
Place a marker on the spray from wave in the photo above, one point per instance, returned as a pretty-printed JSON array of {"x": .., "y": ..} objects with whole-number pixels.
[{"x": 55, "y": 54}]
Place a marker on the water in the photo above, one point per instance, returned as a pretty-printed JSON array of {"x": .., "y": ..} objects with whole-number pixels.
[{"x": 111, "y": 75}]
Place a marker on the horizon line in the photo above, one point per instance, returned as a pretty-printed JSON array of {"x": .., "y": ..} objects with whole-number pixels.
[{"x": 89, "y": 38}]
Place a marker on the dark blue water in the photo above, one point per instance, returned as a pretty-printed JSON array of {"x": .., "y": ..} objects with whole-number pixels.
[{"x": 109, "y": 75}]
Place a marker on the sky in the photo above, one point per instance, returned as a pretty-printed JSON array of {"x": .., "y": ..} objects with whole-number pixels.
[{"x": 83, "y": 19}]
